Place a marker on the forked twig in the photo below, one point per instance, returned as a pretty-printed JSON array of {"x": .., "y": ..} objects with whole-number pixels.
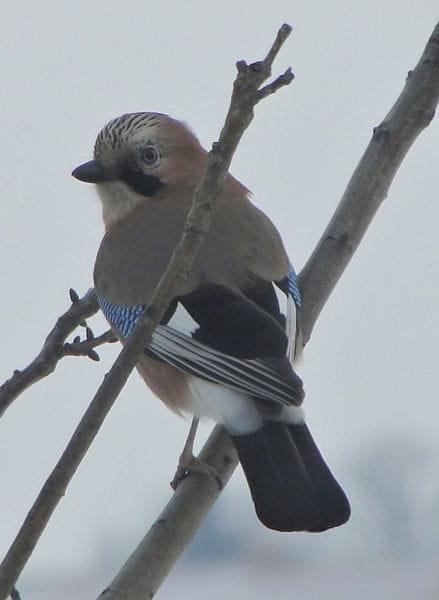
[{"x": 53, "y": 350}]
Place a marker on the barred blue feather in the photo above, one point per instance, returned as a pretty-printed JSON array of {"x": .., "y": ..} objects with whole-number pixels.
[
  {"x": 293, "y": 287},
  {"x": 122, "y": 318}
]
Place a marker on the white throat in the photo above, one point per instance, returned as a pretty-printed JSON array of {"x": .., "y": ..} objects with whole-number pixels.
[{"x": 118, "y": 201}]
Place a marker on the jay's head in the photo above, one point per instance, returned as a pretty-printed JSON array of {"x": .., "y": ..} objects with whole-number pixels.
[{"x": 138, "y": 157}]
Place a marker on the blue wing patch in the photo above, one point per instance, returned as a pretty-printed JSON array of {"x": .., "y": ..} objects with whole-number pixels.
[
  {"x": 293, "y": 288},
  {"x": 122, "y": 318}
]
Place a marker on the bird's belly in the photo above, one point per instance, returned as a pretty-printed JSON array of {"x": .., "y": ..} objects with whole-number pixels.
[{"x": 167, "y": 383}]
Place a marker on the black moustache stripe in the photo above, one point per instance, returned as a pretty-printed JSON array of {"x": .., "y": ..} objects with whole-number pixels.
[{"x": 146, "y": 185}]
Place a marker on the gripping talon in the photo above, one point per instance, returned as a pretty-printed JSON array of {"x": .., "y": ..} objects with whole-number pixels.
[{"x": 194, "y": 465}]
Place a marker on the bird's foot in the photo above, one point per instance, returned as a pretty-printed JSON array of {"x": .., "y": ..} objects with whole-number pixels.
[{"x": 191, "y": 464}]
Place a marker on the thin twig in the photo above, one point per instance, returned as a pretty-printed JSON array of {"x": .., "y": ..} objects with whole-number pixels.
[
  {"x": 282, "y": 34},
  {"x": 272, "y": 87},
  {"x": 86, "y": 347},
  {"x": 238, "y": 118},
  {"x": 150, "y": 563},
  {"x": 53, "y": 350}
]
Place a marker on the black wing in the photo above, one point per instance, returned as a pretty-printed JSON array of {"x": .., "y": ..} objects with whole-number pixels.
[{"x": 239, "y": 341}]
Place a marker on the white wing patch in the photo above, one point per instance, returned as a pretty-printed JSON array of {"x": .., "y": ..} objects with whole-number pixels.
[
  {"x": 291, "y": 328},
  {"x": 288, "y": 307},
  {"x": 182, "y": 321}
]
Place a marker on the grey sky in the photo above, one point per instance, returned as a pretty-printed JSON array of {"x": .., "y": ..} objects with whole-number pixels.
[{"x": 370, "y": 369}]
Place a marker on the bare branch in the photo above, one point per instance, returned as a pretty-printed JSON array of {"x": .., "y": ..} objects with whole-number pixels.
[
  {"x": 370, "y": 183},
  {"x": 53, "y": 349},
  {"x": 148, "y": 566},
  {"x": 240, "y": 114}
]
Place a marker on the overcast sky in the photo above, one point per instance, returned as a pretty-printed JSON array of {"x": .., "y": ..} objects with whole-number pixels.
[{"x": 371, "y": 368}]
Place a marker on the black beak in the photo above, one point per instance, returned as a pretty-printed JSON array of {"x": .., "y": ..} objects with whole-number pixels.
[{"x": 92, "y": 172}]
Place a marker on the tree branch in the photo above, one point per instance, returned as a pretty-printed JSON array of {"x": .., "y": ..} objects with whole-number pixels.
[
  {"x": 370, "y": 183},
  {"x": 240, "y": 114},
  {"x": 15, "y": 595},
  {"x": 148, "y": 566},
  {"x": 53, "y": 349}
]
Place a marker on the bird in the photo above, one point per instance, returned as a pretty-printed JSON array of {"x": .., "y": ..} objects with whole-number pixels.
[{"x": 226, "y": 346}]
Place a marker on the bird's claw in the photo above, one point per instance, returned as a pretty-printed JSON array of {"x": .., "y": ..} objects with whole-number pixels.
[{"x": 194, "y": 465}]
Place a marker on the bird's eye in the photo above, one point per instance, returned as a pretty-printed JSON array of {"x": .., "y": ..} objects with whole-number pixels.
[{"x": 149, "y": 155}]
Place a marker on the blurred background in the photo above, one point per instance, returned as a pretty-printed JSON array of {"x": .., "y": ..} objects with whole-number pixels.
[{"x": 370, "y": 369}]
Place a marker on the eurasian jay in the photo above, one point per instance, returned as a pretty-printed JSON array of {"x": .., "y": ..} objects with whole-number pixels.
[{"x": 225, "y": 347}]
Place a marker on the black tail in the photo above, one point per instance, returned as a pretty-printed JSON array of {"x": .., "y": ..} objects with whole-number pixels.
[{"x": 290, "y": 483}]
